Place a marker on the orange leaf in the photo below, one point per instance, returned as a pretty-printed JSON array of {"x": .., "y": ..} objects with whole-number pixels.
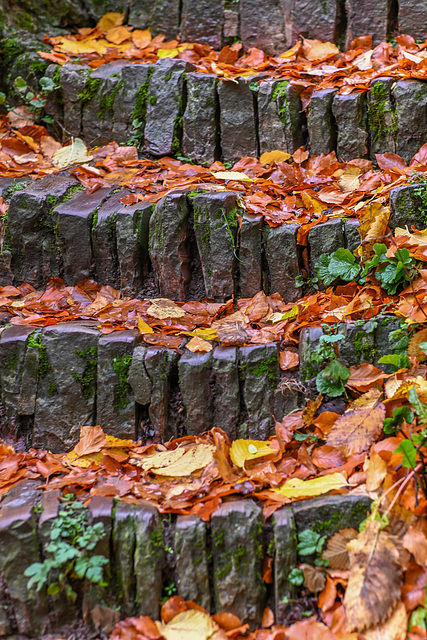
[
  {"x": 110, "y": 20},
  {"x": 288, "y": 360},
  {"x": 267, "y": 618},
  {"x": 141, "y": 39},
  {"x": 327, "y": 597}
]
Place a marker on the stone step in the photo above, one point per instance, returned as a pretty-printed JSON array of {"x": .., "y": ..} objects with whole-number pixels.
[
  {"x": 54, "y": 379},
  {"x": 219, "y": 565},
  {"x": 167, "y": 108},
  {"x": 187, "y": 246}
]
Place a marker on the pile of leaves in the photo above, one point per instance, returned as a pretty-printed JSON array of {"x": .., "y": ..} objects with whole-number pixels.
[{"x": 310, "y": 64}]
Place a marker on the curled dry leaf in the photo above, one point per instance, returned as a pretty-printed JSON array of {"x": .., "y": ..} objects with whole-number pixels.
[
  {"x": 415, "y": 541},
  {"x": 360, "y": 425},
  {"x": 328, "y": 596},
  {"x": 375, "y": 578},
  {"x": 163, "y": 308},
  {"x": 414, "y": 345},
  {"x": 314, "y": 578},
  {"x": 336, "y": 549},
  {"x": 376, "y": 469},
  {"x": 191, "y": 625},
  {"x": 243, "y": 451}
]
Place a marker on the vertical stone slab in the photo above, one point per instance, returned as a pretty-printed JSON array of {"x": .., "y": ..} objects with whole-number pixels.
[
  {"x": 194, "y": 381},
  {"x": 19, "y": 545},
  {"x": 226, "y": 405},
  {"x": 215, "y": 227},
  {"x": 115, "y": 398},
  {"x": 329, "y": 514},
  {"x": 383, "y": 344},
  {"x": 169, "y": 246},
  {"x": 285, "y": 559},
  {"x": 311, "y": 20},
  {"x": 202, "y": 22},
  {"x": 73, "y": 81},
  {"x": 165, "y": 18},
  {"x": 281, "y": 120},
  {"x": 123, "y": 549},
  {"x": 412, "y": 18},
  {"x": 73, "y": 220},
  {"x": 262, "y": 26},
  {"x": 411, "y": 109},
  {"x": 104, "y": 245},
  {"x": 260, "y": 374},
  {"x": 238, "y": 118},
  {"x": 165, "y": 108},
  {"x": 365, "y": 17},
  {"x": 309, "y": 339},
  {"x": 407, "y": 206},
  {"x": 12, "y": 364},
  {"x": 200, "y": 140},
  {"x": 324, "y": 238},
  {"x": 382, "y": 117},
  {"x": 322, "y": 130},
  {"x": 281, "y": 253},
  {"x": 148, "y": 561},
  {"x": 237, "y": 528},
  {"x": 159, "y": 363},
  {"x": 132, "y": 227},
  {"x": 130, "y": 102},
  {"x": 29, "y": 380},
  {"x": 250, "y": 252},
  {"x": 231, "y": 26},
  {"x": 29, "y": 225},
  {"x": 351, "y": 233},
  {"x": 191, "y": 560},
  {"x": 358, "y": 345},
  {"x": 350, "y": 114},
  {"x": 66, "y": 386}
]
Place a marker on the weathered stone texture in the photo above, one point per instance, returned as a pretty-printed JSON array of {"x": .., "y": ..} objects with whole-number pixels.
[
  {"x": 200, "y": 124},
  {"x": 201, "y": 22},
  {"x": 250, "y": 247},
  {"x": 382, "y": 117},
  {"x": 364, "y": 16},
  {"x": 130, "y": 102},
  {"x": 262, "y": 25},
  {"x": 412, "y": 18},
  {"x": 148, "y": 560},
  {"x": 408, "y": 206},
  {"x": 132, "y": 230},
  {"x": 285, "y": 560},
  {"x": 191, "y": 560},
  {"x": 281, "y": 253},
  {"x": 73, "y": 82},
  {"x": 160, "y": 16},
  {"x": 194, "y": 380},
  {"x": 226, "y": 405},
  {"x": 350, "y": 113},
  {"x": 324, "y": 238},
  {"x": 322, "y": 130},
  {"x": 310, "y": 20},
  {"x": 282, "y": 123},
  {"x": 104, "y": 245},
  {"x": 411, "y": 110}
]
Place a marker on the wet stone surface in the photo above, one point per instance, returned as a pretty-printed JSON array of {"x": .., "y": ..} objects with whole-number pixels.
[
  {"x": 200, "y": 124},
  {"x": 350, "y": 113}
]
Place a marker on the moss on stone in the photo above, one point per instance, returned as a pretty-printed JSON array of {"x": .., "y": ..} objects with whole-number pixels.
[
  {"x": 56, "y": 75},
  {"x": 378, "y": 107},
  {"x": 365, "y": 350},
  {"x": 121, "y": 366},
  {"x": 90, "y": 90},
  {"x": 264, "y": 369},
  {"x": 90, "y": 357},
  {"x": 152, "y": 100},
  {"x": 10, "y": 50},
  {"x": 280, "y": 97},
  {"x": 106, "y": 104},
  {"x": 52, "y": 389},
  {"x": 13, "y": 188},
  {"x": 12, "y": 362},
  {"x": 177, "y": 129},
  {"x": 72, "y": 191},
  {"x": 35, "y": 340}
]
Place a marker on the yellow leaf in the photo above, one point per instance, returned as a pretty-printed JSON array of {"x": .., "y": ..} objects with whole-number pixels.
[
  {"x": 74, "y": 153},
  {"x": 231, "y": 175},
  {"x": 244, "y": 450},
  {"x": 274, "y": 156},
  {"x": 121, "y": 176},
  {"x": 288, "y": 315},
  {"x": 394, "y": 628},
  {"x": 296, "y": 488},
  {"x": 376, "y": 469},
  {"x": 373, "y": 219},
  {"x": 117, "y": 443},
  {"x": 163, "y": 308},
  {"x": 167, "y": 53},
  {"x": 143, "y": 326},
  {"x": 350, "y": 179},
  {"x": 194, "y": 458},
  {"x": 157, "y": 460},
  {"x": 141, "y": 39},
  {"x": 199, "y": 345},
  {"x": 191, "y": 625},
  {"x": 83, "y": 462},
  {"x": 117, "y": 35},
  {"x": 308, "y": 201},
  {"x": 110, "y": 20},
  {"x": 207, "y": 334}
]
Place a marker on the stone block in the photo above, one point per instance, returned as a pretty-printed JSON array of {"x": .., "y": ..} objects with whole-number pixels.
[
  {"x": 358, "y": 345},
  {"x": 350, "y": 113},
  {"x": 148, "y": 561},
  {"x": 351, "y": 233},
  {"x": 115, "y": 398},
  {"x": 74, "y": 220},
  {"x": 194, "y": 381},
  {"x": 66, "y": 385},
  {"x": 30, "y": 225},
  {"x": 161, "y": 16},
  {"x": 324, "y": 239},
  {"x": 281, "y": 253},
  {"x": 327, "y": 515},
  {"x": 281, "y": 120},
  {"x": 260, "y": 375},
  {"x": 237, "y": 560},
  {"x": 384, "y": 343},
  {"x": 262, "y": 26},
  {"x": 165, "y": 107},
  {"x": 411, "y": 110},
  {"x": 250, "y": 252},
  {"x": 412, "y": 18},
  {"x": 202, "y": 22},
  {"x": 192, "y": 560},
  {"x": 309, "y": 339},
  {"x": 322, "y": 130},
  {"x": 123, "y": 545},
  {"x": 104, "y": 244},
  {"x": 161, "y": 365},
  {"x": 226, "y": 406},
  {"x": 285, "y": 559},
  {"x": 73, "y": 83},
  {"x": 130, "y": 102},
  {"x": 382, "y": 117},
  {"x": 138, "y": 377},
  {"x": 169, "y": 246},
  {"x": 408, "y": 206},
  {"x": 132, "y": 227},
  {"x": 311, "y": 20},
  {"x": 215, "y": 228},
  {"x": 238, "y": 118},
  {"x": 200, "y": 140},
  {"x": 231, "y": 26},
  {"x": 365, "y": 17},
  {"x": 19, "y": 544}
]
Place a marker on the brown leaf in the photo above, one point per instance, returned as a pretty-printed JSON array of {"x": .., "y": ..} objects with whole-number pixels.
[
  {"x": 336, "y": 549},
  {"x": 314, "y": 578},
  {"x": 415, "y": 541},
  {"x": 327, "y": 597},
  {"x": 310, "y": 629},
  {"x": 375, "y": 578},
  {"x": 360, "y": 425},
  {"x": 267, "y": 618},
  {"x": 414, "y": 345},
  {"x": 393, "y": 629},
  {"x": 92, "y": 439},
  {"x": 288, "y": 360},
  {"x": 376, "y": 471}
]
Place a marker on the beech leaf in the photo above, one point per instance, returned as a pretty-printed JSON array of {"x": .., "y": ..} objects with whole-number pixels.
[
  {"x": 336, "y": 549},
  {"x": 243, "y": 451},
  {"x": 191, "y": 625},
  {"x": 296, "y": 488}
]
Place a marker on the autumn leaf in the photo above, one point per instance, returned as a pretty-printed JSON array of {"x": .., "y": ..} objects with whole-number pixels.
[
  {"x": 191, "y": 625},
  {"x": 243, "y": 451},
  {"x": 336, "y": 551},
  {"x": 364, "y": 376},
  {"x": 414, "y": 345},
  {"x": 288, "y": 360},
  {"x": 143, "y": 327},
  {"x": 163, "y": 308},
  {"x": 349, "y": 180},
  {"x": 415, "y": 541},
  {"x": 310, "y": 629},
  {"x": 314, "y": 578},
  {"x": 394, "y": 628},
  {"x": 274, "y": 156},
  {"x": 360, "y": 425},
  {"x": 195, "y": 458},
  {"x": 296, "y": 488},
  {"x": 199, "y": 345},
  {"x": 328, "y": 596},
  {"x": 141, "y": 38},
  {"x": 230, "y": 175},
  {"x": 376, "y": 471},
  {"x": 110, "y": 20},
  {"x": 158, "y": 460},
  {"x": 373, "y": 588},
  {"x": 74, "y": 153}
]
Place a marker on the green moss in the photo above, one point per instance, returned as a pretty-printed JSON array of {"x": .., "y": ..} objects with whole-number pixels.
[
  {"x": 87, "y": 379},
  {"x": 365, "y": 350},
  {"x": 152, "y": 100},
  {"x": 240, "y": 557},
  {"x": 24, "y": 21},
  {"x": 168, "y": 76},
  {"x": 225, "y": 570},
  {"x": 139, "y": 114},
  {"x": 13, "y": 188},
  {"x": 56, "y": 75},
  {"x": 218, "y": 537},
  {"x": 177, "y": 129},
  {"x": 156, "y": 539},
  {"x": 52, "y": 389},
  {"x": 10, "y": 50},
  {"x": 308, "y": 371},
  {"x": 280, "y": 97},
  {"x": 263, "y": 369},
  {"x": 12, "y": 362},
  {"x": 341, "y": 518},
  {"x": 72, "y": 191},
  {"x": 92, "y": 87},
  {"x": 35, "y": 340},
  {"x": 121, "y": 368},
  {"x": 379, "y": 107},
  {"x": 421, "y": 213},
  {"x": 106, "y": 105}
]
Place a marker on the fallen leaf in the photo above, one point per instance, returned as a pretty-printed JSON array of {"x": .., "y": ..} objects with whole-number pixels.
[
  {"x": 267, "y": 618},
  {"x": 199, "y": 345},
  {"x": 143, "y": 327},
  {"x": 392, "y": 629},
  {"x": 191, "y": 625},
  {"x": 414, "y": 345},
  {"x": 296, "y": 488},
  {"x": 314, "y": 578},
  {"x": 195, "y": 458},
  {"x": 243, "y": 451},
  {"x": 310, "y": 629},
  {"x": 288, "y": 360},
  {"x": 328, "y": 596},
  {"x": 158, "y": 460},
  {"x": 163, "y": 308},
  {"x": 336, "y": 551},
  {"x": 376, "y": 469},
  {"x": 73, "y": 153},
  {"x": 274, "y": 156},
  {"x": 350, "y": 179},
  {"x": 415, "y": 541},
  {"x": 110, "y": 20},
  {"x": 230, "y": 175}
]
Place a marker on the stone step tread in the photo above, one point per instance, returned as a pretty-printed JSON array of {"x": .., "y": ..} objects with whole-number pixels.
[{"x": 217, "y": 564}]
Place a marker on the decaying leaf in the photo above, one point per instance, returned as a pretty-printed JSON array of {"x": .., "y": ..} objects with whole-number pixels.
[
  {"x": 74, "y": 153},
  {"x": 336, "y": 549},
  {"x": 296, "y": 488},
  {"x": 392, "y": 629},
  {"x": 414, "y": 345},
  {"x": 191, "y": 625},
  {"x": 314, "y": 578},
  {"x": 373, "y": 588},
  {"x": 163, "y": 308},
  {"x": 274, "y": 156},
  {"x": 360, "y": 425},
  {"x": 199, "y": 345},
  {"x": 243, "y": 451}
]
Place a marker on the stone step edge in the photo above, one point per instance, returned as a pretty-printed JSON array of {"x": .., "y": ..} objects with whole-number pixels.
[
  {"x": 219, "y": 565},
  {"x": 154, "y": 393}
]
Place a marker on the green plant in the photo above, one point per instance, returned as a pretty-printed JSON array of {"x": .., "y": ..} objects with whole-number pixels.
[
  {"x": 296, "y": 577},
  {"x": 340, "y": 264},
  {"x": 35, "y": 101},
  {"x": 310, "y": 543},
  {"x": 400, "y": 414},
  {"x": 301, "y": 281},
  {"x": 71, "y": 540},
  {"x": 333, "y": 377}
]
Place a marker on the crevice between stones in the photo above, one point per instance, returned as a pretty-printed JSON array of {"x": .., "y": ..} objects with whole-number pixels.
[{"x": 340, "y": 30}]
